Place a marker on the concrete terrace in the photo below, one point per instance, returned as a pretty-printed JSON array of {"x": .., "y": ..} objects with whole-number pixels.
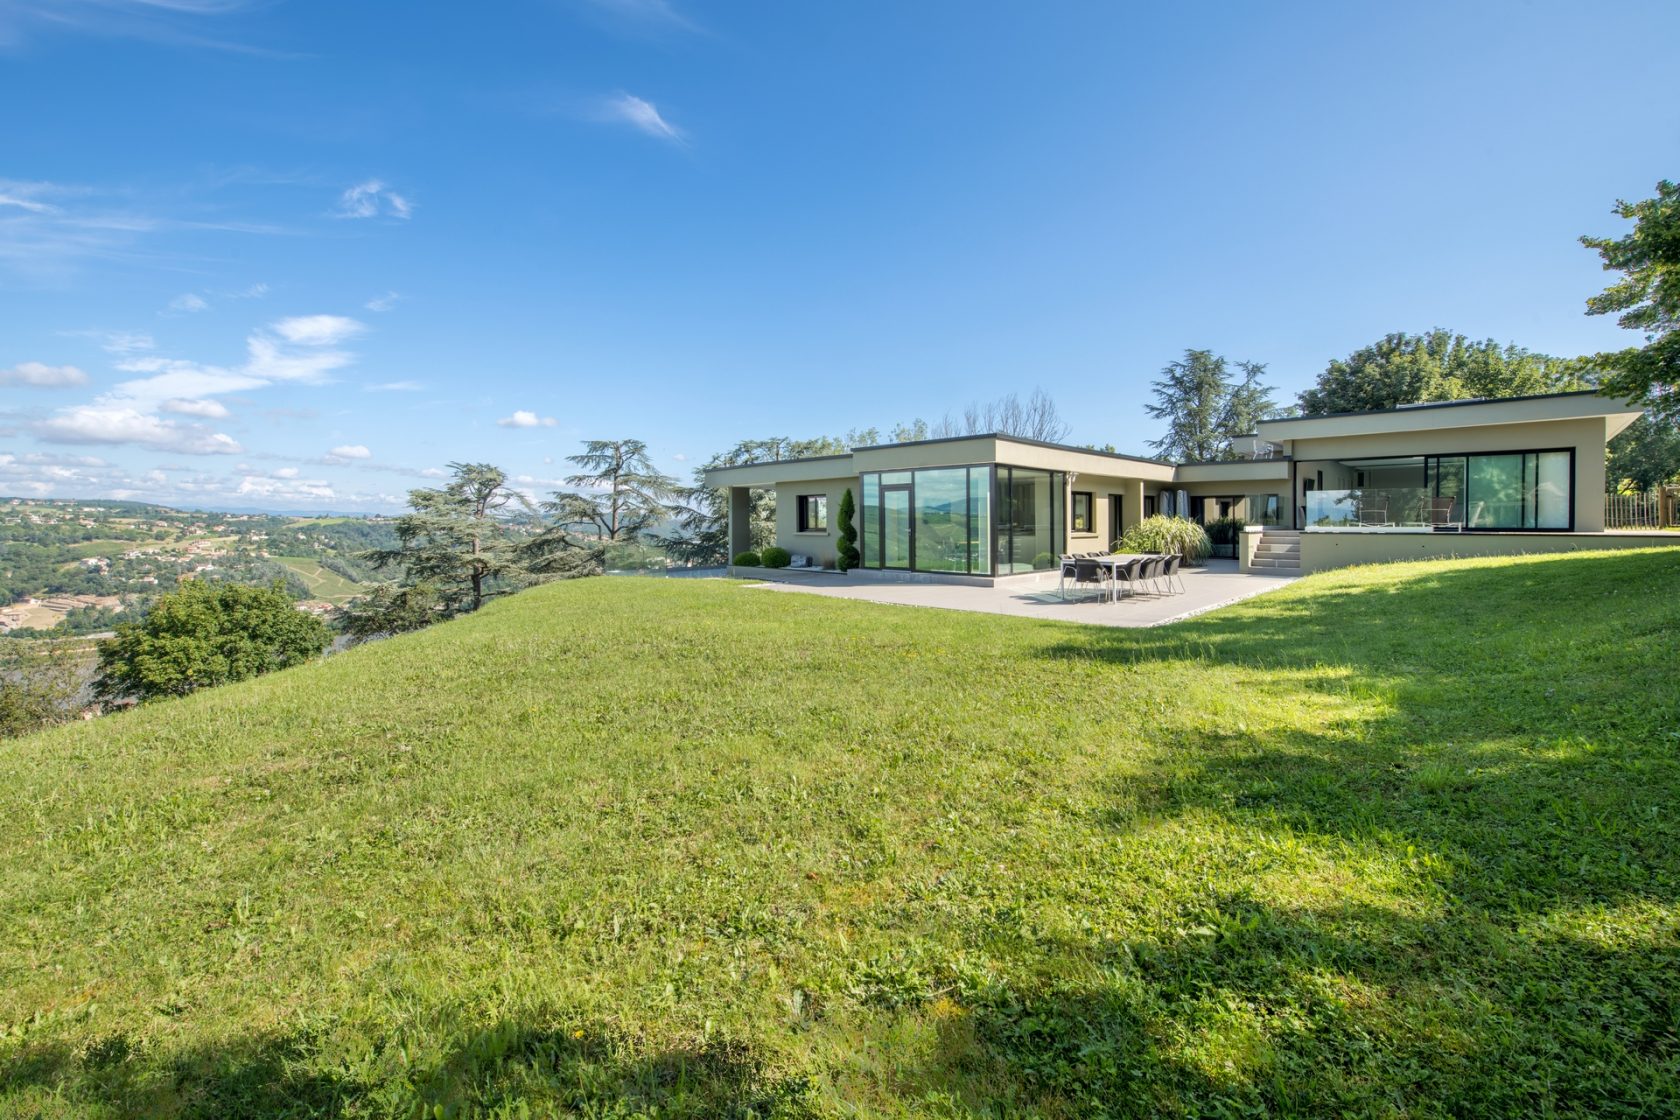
[{"x": 1217, "y": 585}]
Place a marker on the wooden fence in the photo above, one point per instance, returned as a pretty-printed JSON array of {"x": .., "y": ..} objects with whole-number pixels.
[{"x": 1654, "y": 509}]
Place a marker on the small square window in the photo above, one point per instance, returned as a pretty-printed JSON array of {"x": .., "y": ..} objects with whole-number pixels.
[{"x": 813, "y": 513}]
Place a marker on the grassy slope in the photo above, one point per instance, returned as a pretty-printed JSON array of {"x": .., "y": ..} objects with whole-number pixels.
[
  {"x": 1392, "y": 841},
  {"x": 324, "y": 583}
]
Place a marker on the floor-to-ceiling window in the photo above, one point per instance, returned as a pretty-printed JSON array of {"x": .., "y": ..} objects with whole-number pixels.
[
  {"x": 1029, "y": 519},
  {"x": 1515, "y": 490},
  {"x": 932, "y": 520}
]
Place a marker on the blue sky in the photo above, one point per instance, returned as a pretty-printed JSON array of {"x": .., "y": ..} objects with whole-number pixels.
[{"x": 300, "y": 255}]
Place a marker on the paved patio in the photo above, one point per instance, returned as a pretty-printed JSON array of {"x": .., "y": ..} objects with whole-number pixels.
[{"x": 1217, "y": 585}]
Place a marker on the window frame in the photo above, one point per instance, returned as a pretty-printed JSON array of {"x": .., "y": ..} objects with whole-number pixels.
[
  {"x": 803, "y": 513},
  {"x": 1090, "y": 526}
]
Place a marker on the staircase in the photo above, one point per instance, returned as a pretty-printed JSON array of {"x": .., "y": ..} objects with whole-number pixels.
[{"x": 1278, "y": 548}]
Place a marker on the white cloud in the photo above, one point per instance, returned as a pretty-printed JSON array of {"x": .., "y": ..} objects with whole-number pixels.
[
  {"x": 29, "y": 204},
  {"x": 350, "y": 451},
  {"x": 434, "y": 472},
  {"x": 680, "y": 457},
  {"x": 286, "y": 472},
  {"x": 524, "y": 418},
  {"x": 642, "y": 115},
  {"x": 110, "y": 423},
  {"x": 395, "y": 387},
  {"x": 127, "y": 342},
  {"x": 371, "y": 199},
  {"x": 317, "y": 330},
  {"x": 128, "y": 412},
  {"x": 260, "y": 487},
  {"x": 382, "y": 303},
  {"x": 37, "y": 375},
  {"x": 255, "y": 291},
  {"x": 204, "y": 409},
  {"x": 189, "y": 303}
]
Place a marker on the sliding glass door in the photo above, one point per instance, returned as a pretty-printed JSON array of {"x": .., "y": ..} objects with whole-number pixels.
[
  {"x": 1506, "y": 490},
  {"x": 932, "y": 520}
]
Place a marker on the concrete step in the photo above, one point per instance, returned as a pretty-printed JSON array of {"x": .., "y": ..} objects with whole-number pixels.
[{"x": 1291, "y": 563}]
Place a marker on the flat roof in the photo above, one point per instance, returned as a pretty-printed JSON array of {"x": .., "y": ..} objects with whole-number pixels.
[
  {"x": 1021, "y": 440},
  {"x": 1575, "y": 404}
]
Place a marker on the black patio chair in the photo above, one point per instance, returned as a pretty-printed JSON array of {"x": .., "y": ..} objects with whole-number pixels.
[
  {"x": 1170, "y": 573},
  {"x": 1087, "y": 572},
  {"x": 1128, "y": 574}
]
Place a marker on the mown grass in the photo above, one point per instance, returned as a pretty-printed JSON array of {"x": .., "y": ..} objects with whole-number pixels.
[{"x": 1391, "y": 842}]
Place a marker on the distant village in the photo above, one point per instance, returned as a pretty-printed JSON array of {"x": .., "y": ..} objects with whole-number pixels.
[{"x": 75, "y": 567}]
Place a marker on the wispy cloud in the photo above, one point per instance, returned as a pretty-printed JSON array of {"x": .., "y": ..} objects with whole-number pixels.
[
  {"x": 644, "y": 116},
  {"x": 644, "y": 15},
  {"x": 524, "y": 418},
  {"x": 372, "y": 199},
  {"x": 350, "y": 451},
  {"x": 38, "y": 375},
  {"x": 189, "y": 303},
  {"x": 204, "y": 409},
  {"x": 168, "y": 22},
  {"x": 394, "y": 387},
  {"x": 140, "y": 411},
  {"x": 382, "y": 303}
]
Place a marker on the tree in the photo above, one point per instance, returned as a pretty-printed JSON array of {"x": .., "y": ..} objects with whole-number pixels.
[
  {"x": 203, "y": 635},
  {"x": 620, "y": 497},
  {"x": 1646, "y": 299},
  {"x": 1645, "y": 455},
  {"x": 40, "y": 685},
  {"x": 1035, "y": 418},
  {"x": 1206, "y": 407},
  {"x": 456, "y": 539},
  {"x": 701, "y": 512},
  {"x": 388, "y": 610},
  {"x": 846, "y": 555},
  {"x": 1437, "y": 366}
]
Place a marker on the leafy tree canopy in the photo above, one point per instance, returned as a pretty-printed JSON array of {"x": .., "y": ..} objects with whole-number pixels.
[
  {"x": 1645, "y": 299},
  {"x": 203, "y": 635},
  {"x": 1436, "y": 366},
  {"x": 1207, "y": 404},
  {"x": 620, "y": 495},
  {"x": 1645, "y": 455},
  {"x": 456, "y": 539}
]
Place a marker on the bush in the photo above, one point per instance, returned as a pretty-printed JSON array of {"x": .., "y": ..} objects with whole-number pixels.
[
  {"x": 748, "y": 560},
  {"x": 774, "y": 557},
  {"x": 1168, "y": 535},
  {"x": 847, "y": 557},
  {"x": 1042, "y": 561},
  {"x": 1223, "y": 534},
  {"x": 203, "y": 635}
]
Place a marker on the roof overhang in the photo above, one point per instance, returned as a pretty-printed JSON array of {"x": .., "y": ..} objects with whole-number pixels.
[{"x": 1450, "y": 415}]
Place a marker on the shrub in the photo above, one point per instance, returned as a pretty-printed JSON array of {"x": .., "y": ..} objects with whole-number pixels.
[
  {"x": 1169, "y": 535},
  {"x": 847, "y": 557},
  {"x": 748, "y": 560},
  {"x": 1223, "y": 534},
  {"x": 774, "y": 557},
  {"x": 1042, "y": 561},
  {"x": 203, "y": 635}
]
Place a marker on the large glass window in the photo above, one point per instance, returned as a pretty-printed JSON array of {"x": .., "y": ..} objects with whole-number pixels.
[
  {"x": 942, "y": 531},
  {"x": 935, "y": 520},
  {"x": 1029, "y": 536},
  {"x": 813, "y": 513}
]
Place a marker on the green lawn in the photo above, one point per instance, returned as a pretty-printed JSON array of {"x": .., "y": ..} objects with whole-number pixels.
[
  {"x": 1394, "y": 841},
  {"x": 324, "y": 583}
]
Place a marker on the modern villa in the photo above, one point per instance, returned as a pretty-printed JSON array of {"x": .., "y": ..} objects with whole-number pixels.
[{"x": 1459, "y": 478}]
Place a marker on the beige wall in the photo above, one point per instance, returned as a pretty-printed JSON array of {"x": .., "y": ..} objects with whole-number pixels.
[
  {"x": 1586, "y": 435},
  {"x": 1337, "y": 550},
  {"x": 821, "y": 544},
  {"x": 1103, "y": 531}
]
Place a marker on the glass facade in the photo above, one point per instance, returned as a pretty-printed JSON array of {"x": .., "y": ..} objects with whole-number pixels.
[
  {"x": 934, "y": 520},
  {"x": 1511, "y": 490},
  {"x": 1029, "y": 520}
]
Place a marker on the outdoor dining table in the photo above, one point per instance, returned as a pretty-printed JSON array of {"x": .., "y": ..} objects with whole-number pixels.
[{"x": 1116, "y": 560}]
